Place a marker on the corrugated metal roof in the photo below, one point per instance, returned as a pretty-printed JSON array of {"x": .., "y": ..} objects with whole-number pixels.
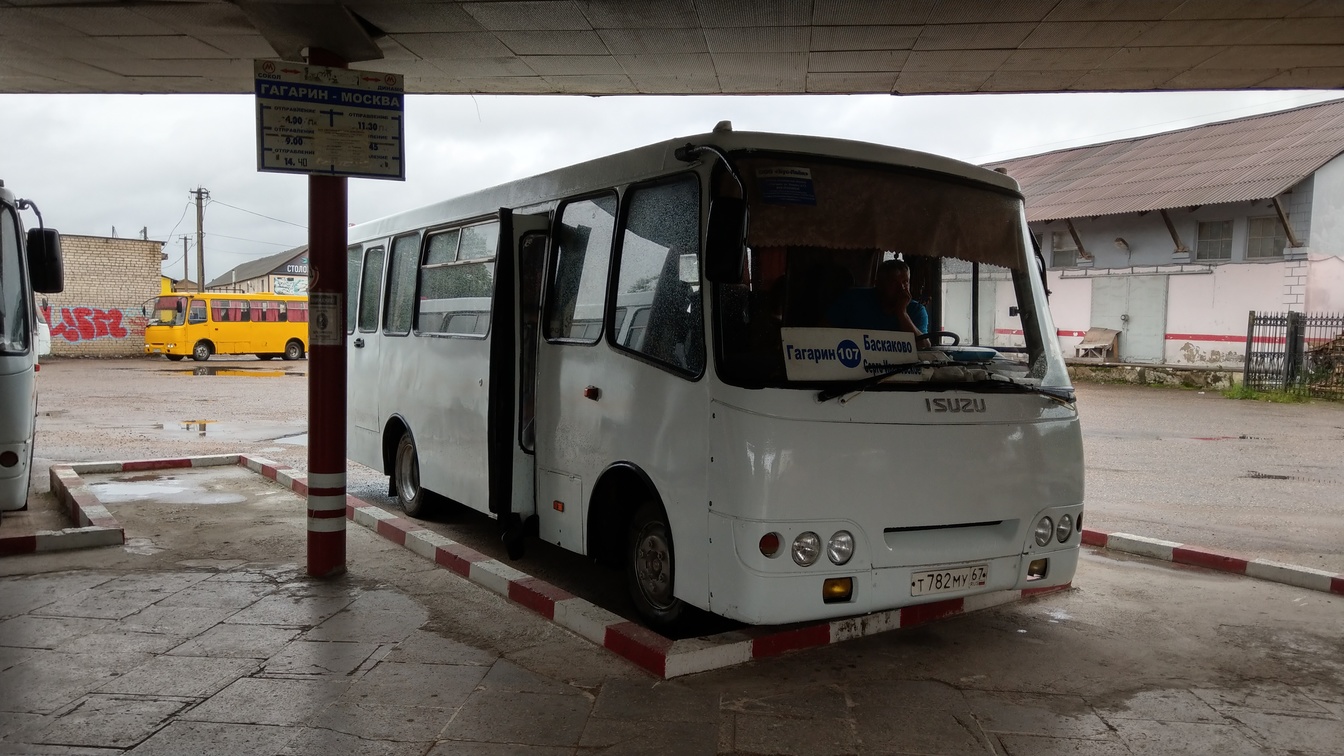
[
  {"x": 1232, "y": 161},
  {"x": 257, "y": 268}
]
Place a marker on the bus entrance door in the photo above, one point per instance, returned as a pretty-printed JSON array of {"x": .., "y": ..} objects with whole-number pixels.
[{"x": 521, "y": 263}]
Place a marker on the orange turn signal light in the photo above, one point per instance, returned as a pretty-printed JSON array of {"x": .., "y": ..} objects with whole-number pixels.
[{"x": 837, "y": 590}]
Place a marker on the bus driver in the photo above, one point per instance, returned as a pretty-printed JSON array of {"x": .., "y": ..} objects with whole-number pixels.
[{"x": 888, "y": 306}]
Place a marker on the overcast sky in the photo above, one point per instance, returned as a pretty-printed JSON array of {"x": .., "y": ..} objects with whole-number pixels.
[{"x": 93, "y": 163}]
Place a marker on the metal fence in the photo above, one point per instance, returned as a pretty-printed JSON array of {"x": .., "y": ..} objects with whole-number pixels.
[{"x": 1296, "y": 352}]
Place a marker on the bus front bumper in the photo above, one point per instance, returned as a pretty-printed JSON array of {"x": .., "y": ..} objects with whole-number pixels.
[{"x": 774, "y": 598}]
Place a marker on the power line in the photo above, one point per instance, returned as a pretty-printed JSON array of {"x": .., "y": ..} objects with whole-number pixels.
[
  {"x": 259, "y": 215},
  {"x": 255, "y": 241},
  {"x": 185, "y": 208}
]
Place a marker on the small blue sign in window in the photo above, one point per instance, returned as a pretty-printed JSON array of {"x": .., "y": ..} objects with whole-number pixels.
[{"x": 786, "y": 186}]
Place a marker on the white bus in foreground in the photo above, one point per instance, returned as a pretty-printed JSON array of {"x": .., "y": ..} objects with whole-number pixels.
[
  {"x": 27, "y": 264},
  {"x": 633, "y": 358}
]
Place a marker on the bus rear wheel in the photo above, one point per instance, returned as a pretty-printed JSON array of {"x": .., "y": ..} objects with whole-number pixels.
[
  {"x": 293, "y": 351},
  {"x": 202, "y": 351},
  {"x": 650, "y": 565},
  {"x": 406, "y": 475}
]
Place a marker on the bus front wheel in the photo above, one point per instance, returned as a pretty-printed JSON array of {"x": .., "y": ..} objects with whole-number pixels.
[
  {"x": 293, "y": 351},
  {"x": 202, "y": 351},
  {"x": 406, "y": 475},
  {"x": 174, "y": 357},
  {"x": 650, "y": 564}
]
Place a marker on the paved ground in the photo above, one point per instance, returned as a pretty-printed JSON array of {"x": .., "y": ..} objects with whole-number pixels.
[{"x": 203, "y": 636}]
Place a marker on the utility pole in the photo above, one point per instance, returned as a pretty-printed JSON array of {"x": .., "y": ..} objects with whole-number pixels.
[
  {"x": 186, "y": 269},
  {"x": 201, "y": 195}
]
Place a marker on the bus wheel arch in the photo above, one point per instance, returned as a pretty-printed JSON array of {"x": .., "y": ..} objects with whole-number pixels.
[
  {"x": 628, "y": 527},
  {"x": 295, "y": 350},
  {"x": 202, "y": 350}
]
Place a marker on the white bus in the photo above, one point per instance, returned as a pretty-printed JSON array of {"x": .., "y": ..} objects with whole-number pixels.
[
  {"x": 28, "y": 264},
  {"x": 631, "y": 358}
]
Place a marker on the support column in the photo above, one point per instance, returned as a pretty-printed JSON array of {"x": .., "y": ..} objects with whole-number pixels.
[{"x": 327, "y": 213}]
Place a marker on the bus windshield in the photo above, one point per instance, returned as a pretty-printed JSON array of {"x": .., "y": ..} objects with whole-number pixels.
[
  {"x": 14, "y": 298},
  {"x": 821, "y": 238},
  {"x": 168, "y": 311}
]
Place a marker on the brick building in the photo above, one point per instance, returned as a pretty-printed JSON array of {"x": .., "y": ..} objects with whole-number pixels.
[{"x": 106, "y": 282}]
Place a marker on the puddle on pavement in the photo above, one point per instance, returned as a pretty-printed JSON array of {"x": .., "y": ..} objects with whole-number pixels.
[
  {"x": 237, "y": 372},
  {"x": 163, "y": 489}
]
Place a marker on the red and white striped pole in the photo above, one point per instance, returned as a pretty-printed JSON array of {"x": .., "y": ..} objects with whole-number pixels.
[{"x": 327, "y": 213}]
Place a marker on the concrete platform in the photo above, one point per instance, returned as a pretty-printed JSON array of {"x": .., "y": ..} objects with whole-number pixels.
[{"x": 201, "y": 635}]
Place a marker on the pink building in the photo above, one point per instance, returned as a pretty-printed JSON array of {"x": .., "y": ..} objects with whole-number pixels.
[{"x": 1172, "y": 239}]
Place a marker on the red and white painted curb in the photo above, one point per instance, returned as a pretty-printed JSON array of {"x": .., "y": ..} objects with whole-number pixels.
[
  {"x": 94, "y": 525},
  {"x": 1198, "y": 556},
  {"x": 662, "y": 656}
]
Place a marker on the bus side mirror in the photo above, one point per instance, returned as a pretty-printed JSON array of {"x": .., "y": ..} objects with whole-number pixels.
[
  {"x": 44, "y": 261},
  {"x": 725, "y": 242}
]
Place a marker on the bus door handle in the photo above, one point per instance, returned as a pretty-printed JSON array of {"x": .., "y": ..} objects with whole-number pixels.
[{"x": 359, "y": 343}]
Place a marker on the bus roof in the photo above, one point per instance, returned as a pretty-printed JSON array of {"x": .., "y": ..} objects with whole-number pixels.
[{"x": 655, "y": 160}]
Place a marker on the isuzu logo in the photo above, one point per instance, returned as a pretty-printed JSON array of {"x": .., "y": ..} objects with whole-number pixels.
[{"x": 954, "y": 405}]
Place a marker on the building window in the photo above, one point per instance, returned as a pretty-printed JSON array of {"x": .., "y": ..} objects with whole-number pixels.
[
  {"x": 1215, "y": 241},
  {"x": 1265, "y": 238},
  {"x": 1063, "y": 251}
]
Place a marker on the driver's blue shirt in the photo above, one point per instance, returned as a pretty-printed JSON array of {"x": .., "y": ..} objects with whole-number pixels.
[{"x": 862, "y": 308}]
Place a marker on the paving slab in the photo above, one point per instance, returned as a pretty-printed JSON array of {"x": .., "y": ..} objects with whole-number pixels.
[
  {"x": 269, "y": 701},
  {"x": 183, "y": 738},
  {"x": 105, "y": 720},
  {"x": 238, "y": 642},
  {"x": 537, "y": 719},
  {"x": 180, "y": 676}
]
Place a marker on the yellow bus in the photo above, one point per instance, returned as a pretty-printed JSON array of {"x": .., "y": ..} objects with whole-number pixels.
[{"x": 199, "y": 325}]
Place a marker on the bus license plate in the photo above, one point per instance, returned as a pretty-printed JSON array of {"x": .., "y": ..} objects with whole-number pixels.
[{"x": 949, "y": 580}]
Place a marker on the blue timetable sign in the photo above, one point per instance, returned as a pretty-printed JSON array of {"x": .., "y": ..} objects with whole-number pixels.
[{"x": 329, "y": 121}]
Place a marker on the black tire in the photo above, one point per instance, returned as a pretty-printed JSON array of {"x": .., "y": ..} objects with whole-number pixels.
[
  {"x": 202, "y": 351},
  {"x": 650, "y": 568},
  {"x": 414, "y": 500},
  {"x": 174, "y": 357},
  {"x": 265, "y": 357},
  {"x": 293, "y": 351}
]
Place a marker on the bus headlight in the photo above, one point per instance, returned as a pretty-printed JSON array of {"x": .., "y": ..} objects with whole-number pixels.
[
  {"x": 1064, "y": 529},
  {"x": 841, "y": 547},
  {"x": 1045, "y": 530},
  {"x": 806, "y": 549}
]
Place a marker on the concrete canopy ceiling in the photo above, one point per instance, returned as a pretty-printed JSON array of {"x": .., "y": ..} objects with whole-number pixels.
[{"x": 610, "y": 47}]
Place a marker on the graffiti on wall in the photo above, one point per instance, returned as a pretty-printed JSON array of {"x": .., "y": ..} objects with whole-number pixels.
[{"x": 76, "y": 324}]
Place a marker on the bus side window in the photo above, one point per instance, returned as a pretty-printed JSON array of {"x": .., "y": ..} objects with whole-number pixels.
[
  {"x": 658, "y": 264},
  {"x": 457, "y": 281},
  {"x": 197, "y": 314},
  {"x": 577, "y": 286},
  {"x": 400, "y": 300},
  {"x": 370, "y": 282},
  {"x": 353, "y": 258}
]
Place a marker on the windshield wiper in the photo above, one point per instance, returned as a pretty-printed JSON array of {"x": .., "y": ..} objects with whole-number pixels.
[
  {"x": 848, "y": 391},
  {"x": 1063, "y": 396}
]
